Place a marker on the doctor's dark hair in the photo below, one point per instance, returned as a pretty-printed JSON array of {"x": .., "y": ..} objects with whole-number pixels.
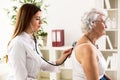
[
  {"x": 24, "y": 16},
  {"x": 89, "y": 17}
]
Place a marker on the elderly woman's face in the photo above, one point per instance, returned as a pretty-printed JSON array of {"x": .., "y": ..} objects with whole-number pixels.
[{"x": 100, "y": 25}]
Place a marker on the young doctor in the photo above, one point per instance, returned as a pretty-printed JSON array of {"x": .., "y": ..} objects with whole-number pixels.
[{"x": 24, "y": 60}]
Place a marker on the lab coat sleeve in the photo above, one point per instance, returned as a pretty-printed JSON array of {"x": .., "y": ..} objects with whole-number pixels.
[
  {"x": 47, "y": 67},
  {"x": 17, "y": 61}
]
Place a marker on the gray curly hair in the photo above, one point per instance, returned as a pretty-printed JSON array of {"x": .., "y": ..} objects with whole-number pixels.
[{"x": 89, "y": 17}]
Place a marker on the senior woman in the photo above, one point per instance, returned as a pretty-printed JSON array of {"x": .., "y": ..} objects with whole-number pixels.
[{"x": 87, "y": 60}]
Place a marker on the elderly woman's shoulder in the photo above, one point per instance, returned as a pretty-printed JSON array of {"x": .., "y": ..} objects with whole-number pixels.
[{"x": 85, "y": 48}]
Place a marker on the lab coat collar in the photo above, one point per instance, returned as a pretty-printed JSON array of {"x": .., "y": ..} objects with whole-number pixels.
[{"x": 29, "y": 36}]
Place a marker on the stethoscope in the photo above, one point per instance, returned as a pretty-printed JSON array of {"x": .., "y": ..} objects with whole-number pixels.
[{"x": 35, "y": 41}]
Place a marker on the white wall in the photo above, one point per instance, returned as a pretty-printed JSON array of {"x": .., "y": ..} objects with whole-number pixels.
[
  {"x": 5, "y": 26},
  {"x": 66, "y": 14}
]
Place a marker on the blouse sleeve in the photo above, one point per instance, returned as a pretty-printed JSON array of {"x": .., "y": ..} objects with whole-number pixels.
[{"x": 17, "y": 61}]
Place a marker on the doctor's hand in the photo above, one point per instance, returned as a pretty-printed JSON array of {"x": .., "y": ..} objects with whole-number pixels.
[
  {"x": 64, "y": 56},
  {"x": 67, "y": 53}
]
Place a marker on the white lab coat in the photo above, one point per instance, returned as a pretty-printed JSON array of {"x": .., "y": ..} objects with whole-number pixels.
[{"x": 25, "y": 63}]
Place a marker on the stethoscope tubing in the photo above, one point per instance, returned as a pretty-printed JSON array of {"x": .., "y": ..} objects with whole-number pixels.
[{"x": 35, "y": 41}]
